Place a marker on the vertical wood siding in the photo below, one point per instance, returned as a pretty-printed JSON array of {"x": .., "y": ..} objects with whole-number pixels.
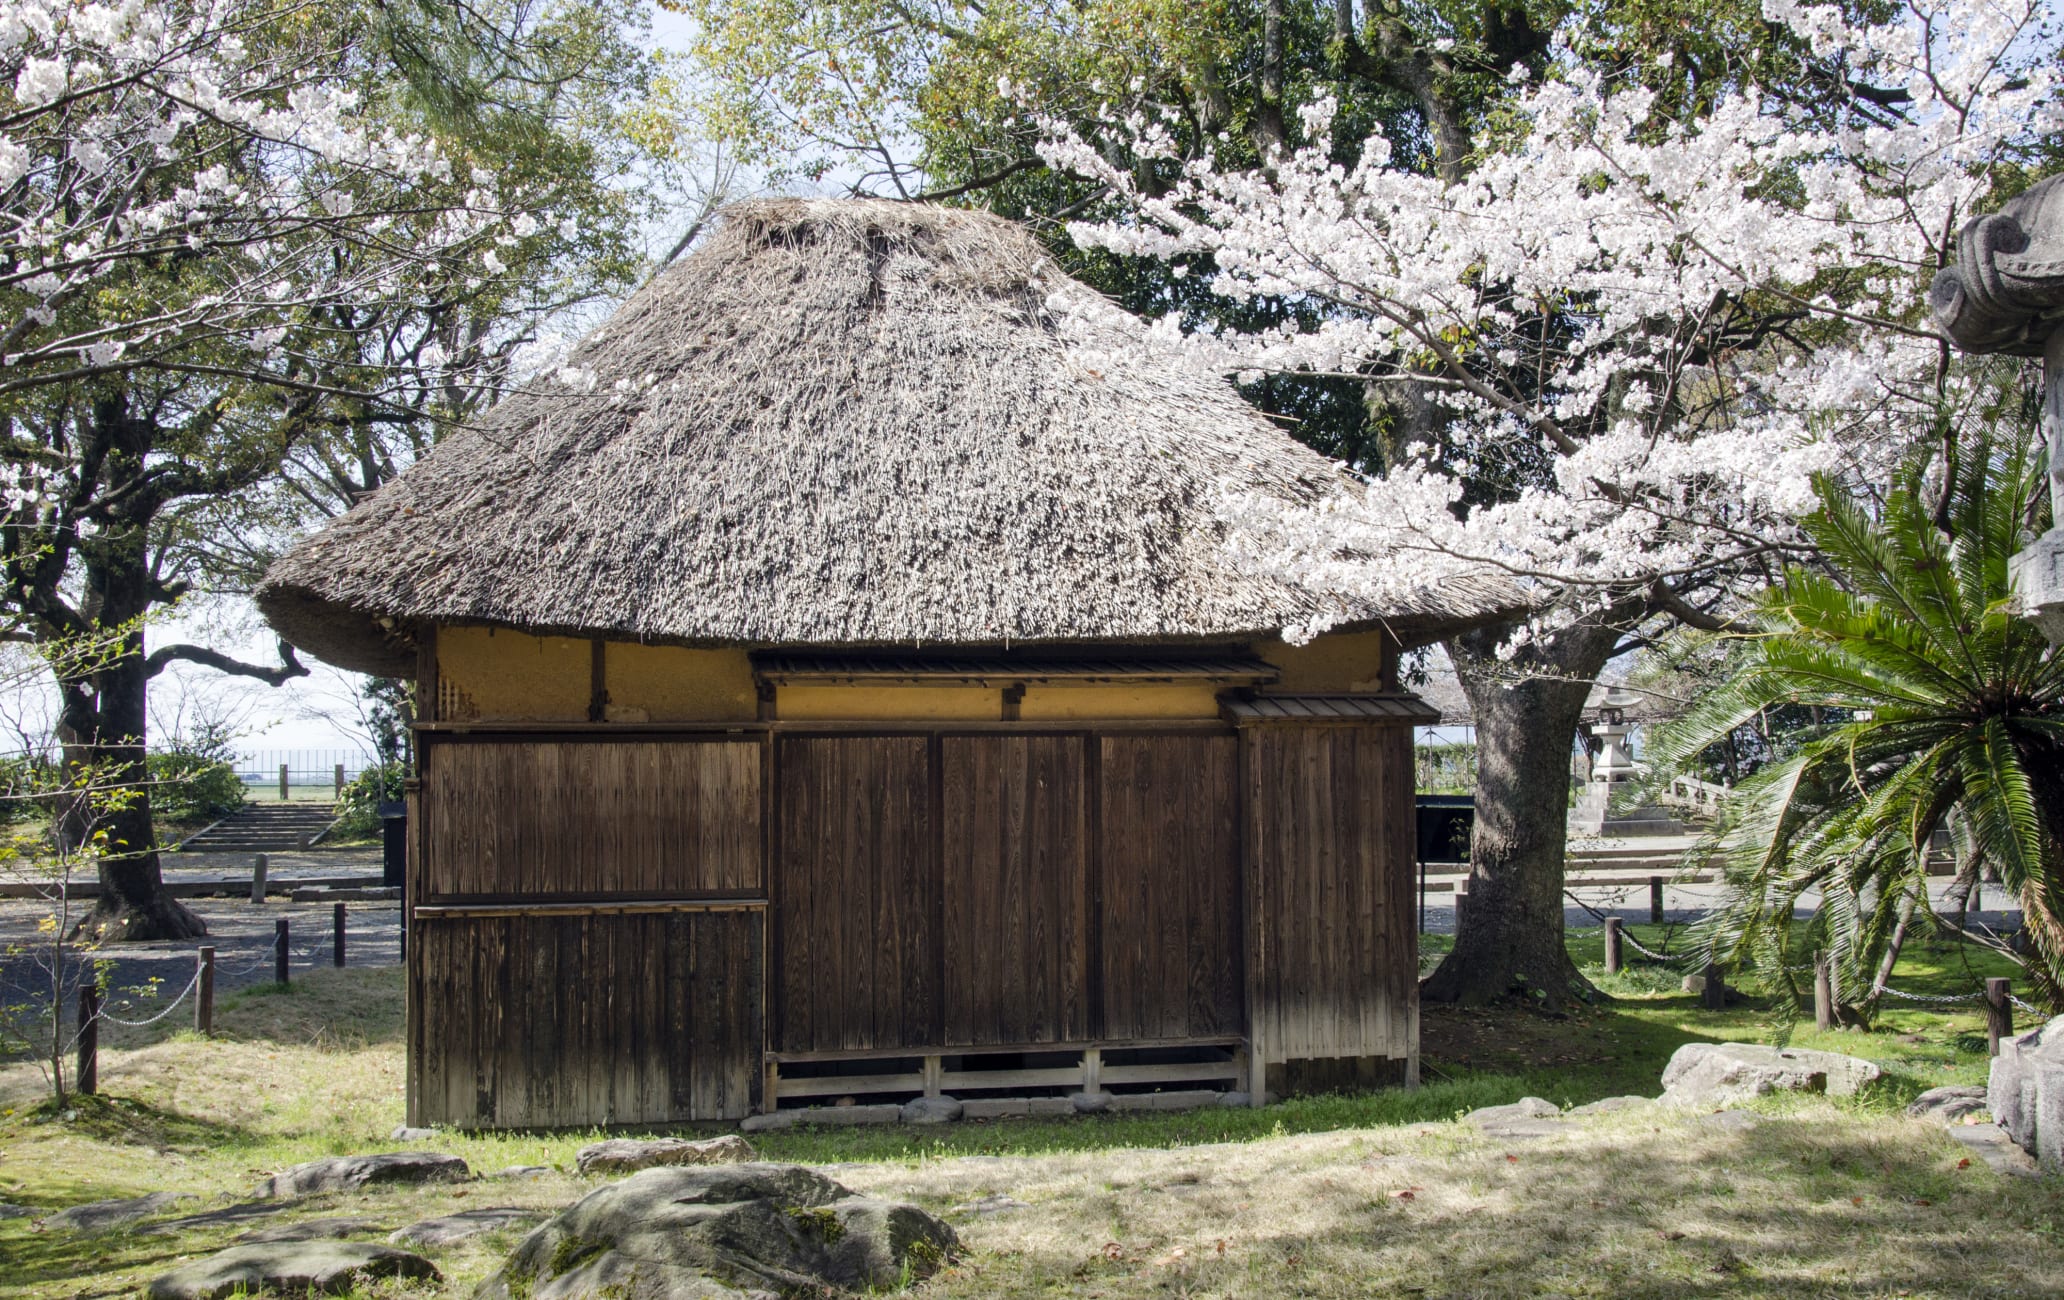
[
  {"x": 1169, "y": 875},
  {"x": 1330, "y": 848},
  {"x": 592, "y": 818},
  {"x": 856, "y": 922},
  {"x": 553, "y": 1021},
  {"x": 1015, "y": 881}
]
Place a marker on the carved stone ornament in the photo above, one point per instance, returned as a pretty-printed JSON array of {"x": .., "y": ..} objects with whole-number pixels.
[{"x": 2006, "y": 291}]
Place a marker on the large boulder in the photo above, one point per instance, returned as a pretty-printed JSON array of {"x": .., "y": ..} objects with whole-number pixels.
[
  {"x": 1948, "y": 1105},
  {"x": 99, "y": 1216},
  {"x": 348, "y": 1173},
  {"x": 1718, "y": 1074},
  {"x": 2026, "y": 1093},
  {"x": 696, "y": 1233},
  {"x": 629, "y": 1155},
  {"x": 295, "y": 1268}
]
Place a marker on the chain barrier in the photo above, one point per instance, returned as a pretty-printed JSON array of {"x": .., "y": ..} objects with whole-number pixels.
[
  {"x": 1939, "y": 999},
  {"x": 170, "y": 1007},
  {"x": 1625, "y": 936}
]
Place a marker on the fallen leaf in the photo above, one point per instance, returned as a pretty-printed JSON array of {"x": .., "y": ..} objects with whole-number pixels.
[
  {"x": 1922, "y": 1200},
  {"x": 1221, "y": 1247},
  {"x": 1513, "y": 1159},
  {"x": 1668, "y": 1234},
  {"x": 1403, "y": 1196},
  {"x": 1113, "y": 1251},
  {"x": 1965, "y": 1163},
  {"x": 1856, "y": 1200}
]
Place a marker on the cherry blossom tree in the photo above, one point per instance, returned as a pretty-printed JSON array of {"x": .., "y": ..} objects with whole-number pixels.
[
  {"x": 203, "y": 204},
  {"x": 1631, "y": 330}
]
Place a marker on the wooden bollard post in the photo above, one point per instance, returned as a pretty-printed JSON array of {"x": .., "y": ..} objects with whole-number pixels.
[
  {"x": 279, "y": 951},
  {"x": 1655, "y": 900},
  {"x": 258, "y": 878},
  {"x": 87, "y": 1077},
  {"x": 204, "y": 994},
  {"x": 340, "y": 780},
  {"x": 1612, "y": 945},
  {"x": 1823, "y": 994},
  {"x": 1999, "y": 1014},
  {"x": 337, "y": 925},
  {"x": 1461, "y": 896},
  {"x": 1715, "y": 994},
  {"x": 283, "y": 782}
]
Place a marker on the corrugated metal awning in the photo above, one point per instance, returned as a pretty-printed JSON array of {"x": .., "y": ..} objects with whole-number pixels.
[
  {"x": 1332, "y": 708},
  {"x": 832, "y": 669}
]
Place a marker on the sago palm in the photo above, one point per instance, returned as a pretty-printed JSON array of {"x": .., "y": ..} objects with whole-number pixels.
[{"x": 1952, "y": 713}]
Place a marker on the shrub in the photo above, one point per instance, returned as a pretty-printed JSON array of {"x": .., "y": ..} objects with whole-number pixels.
[
  {"x": 191, "y": 786},
  {"x": 358, "y": 811}
]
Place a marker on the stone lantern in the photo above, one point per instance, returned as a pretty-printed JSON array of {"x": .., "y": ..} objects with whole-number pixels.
[
  {"x": 1615, "y": 760},
  {"x": 2006, "y": 295}
]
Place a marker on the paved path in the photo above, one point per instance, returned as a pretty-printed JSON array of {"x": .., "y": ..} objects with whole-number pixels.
[{"x": 242, "y": 933}]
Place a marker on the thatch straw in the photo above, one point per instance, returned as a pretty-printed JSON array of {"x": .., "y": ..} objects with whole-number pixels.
[{"x": 839, "y": 423}]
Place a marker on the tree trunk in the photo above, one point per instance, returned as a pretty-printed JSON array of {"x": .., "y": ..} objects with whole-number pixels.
[
  {"x": 1509, "y": 940},
  {"x": 133, "y": 905}
]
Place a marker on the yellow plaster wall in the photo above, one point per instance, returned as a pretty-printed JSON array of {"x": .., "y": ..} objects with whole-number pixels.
[
  {"x": 1331, "y": 662},
  {"x": 889, "y": 703},
  {"x": 664, "y": 683},
  {"x": 1048, "y": 703},
  {"x": 498, "y": 675}
]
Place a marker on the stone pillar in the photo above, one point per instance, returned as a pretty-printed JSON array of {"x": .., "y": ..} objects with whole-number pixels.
[
  {"x": 2038, "y": 571},
  {"x": 2006, "y": 294}
]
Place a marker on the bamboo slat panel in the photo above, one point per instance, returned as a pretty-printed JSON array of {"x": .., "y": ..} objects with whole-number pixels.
[
  {"x": 1330, "y": 844},
  {"x": 856, "y": 932},
  {"x": 552, "y": 1021},
  {"x": 1169, "y": 872},
  {"x": 547, "y": 817},
  {"x": 1015, "y": 883}
]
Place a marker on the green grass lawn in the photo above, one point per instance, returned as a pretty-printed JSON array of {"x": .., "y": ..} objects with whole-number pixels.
[{"x": 1829, "y": 1197}]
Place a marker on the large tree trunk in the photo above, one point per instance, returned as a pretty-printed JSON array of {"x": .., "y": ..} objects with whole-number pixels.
[
  {"x": 1509, "y": 939},
  {"x": 133, "y": 905}
]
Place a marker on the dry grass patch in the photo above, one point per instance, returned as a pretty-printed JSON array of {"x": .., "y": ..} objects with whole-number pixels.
[{"x": 1816, "y": 1201}]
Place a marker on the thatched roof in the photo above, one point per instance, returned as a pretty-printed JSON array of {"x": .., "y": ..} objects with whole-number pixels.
[{"x": 838, "y": 423}]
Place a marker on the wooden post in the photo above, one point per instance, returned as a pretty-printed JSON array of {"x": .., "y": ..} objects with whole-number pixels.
[
  {"x": 258, "y": 878},
  {"x": 770, "y": 1087},
  {"x": 1715, "y": 995},
  {"x": 340, "y": 780},
  {"x": 86, "y": 1079},
  {"x": 204, "y": 994},
  {"x": 1612, "y": 945},
  {"x": 1461, "y": 897},
  {"x": 337, "y": 926},
  {"x": 1999, "y": 1014},
  {"x": 279, "y": 951},
  {"x": 932, "y": 1072},
  {"x": 1092, "y": 1070},
  {"x": 283, "y": 782},
  {"x": 1823, "y": 994},
  {"x": 1655, "y": 900}
]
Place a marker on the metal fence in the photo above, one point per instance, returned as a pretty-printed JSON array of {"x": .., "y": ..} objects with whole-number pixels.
[{"x": 300, "y": 772}]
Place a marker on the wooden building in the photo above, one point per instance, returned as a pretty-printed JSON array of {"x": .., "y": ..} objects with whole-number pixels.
[{"x": 843, "y": 679}]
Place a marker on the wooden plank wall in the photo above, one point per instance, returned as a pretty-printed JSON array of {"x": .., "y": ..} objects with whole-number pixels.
[
  {"x": 663, "y": 818},
  {"x": 1073, "y": 888},
  {"x": 1170, "y": 887},
  {"x": 1015, "y": 883},
  {"x": 1333, "y": 943},
  {"x": 552, "y": 1021},
  {"x": 856, "y": 917}
]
